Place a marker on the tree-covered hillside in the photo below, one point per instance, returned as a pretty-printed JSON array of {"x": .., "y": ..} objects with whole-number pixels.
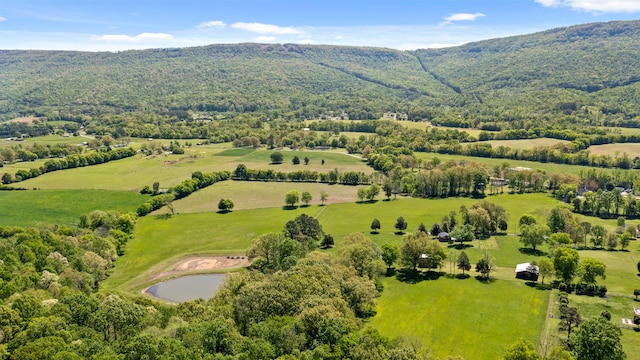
[{"x": 577, "y": 71}]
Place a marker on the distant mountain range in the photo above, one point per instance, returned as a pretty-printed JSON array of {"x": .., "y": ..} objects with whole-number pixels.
[{"x": 560, "y": 72}]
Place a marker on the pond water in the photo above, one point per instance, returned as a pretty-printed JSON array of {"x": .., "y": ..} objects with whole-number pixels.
[{"x": 187, "y": 288}]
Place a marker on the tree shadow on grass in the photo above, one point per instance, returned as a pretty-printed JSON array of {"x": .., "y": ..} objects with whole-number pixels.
[
  {"x": 538, "y": 286},
  {"x": 399, "y": 232},
  {"x": 485, "y": 280},
  {"x": 536, "y": 252},
  {"x": 414, "y": 277},
  {"x": 459, "y": 246},
  {"x": 289, "y": 207},
  {"x": 458, "y": 276},
  {"x": 223, "y": 211}
]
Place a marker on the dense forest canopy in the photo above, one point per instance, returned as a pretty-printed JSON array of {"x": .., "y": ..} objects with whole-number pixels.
[{"x": 586, "y": 73}]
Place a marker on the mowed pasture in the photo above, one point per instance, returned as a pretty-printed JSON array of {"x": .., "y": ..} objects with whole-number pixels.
[
  {"x": 525, "y": 143},
  {"x": 631, "y": 149},
  {"x": 131, "y": 174},
  {"x": 489, "y": 163},
  {"x": 258, "y": 194},
  {"x": 462, "y": 317},
  {"x": 35, "y": 207}
]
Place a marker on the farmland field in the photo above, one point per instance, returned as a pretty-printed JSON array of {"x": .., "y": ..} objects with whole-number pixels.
[
  {"x": 462, "y": 317},
  {"x": 35, "y": 207},
  {"x": 630, "y": 149},
  {"x": 526, "y": 143}
]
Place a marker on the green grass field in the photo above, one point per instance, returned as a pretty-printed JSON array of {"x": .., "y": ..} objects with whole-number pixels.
[
  {"x": 131, "y": 174},
  {"x": 257, "y": 194},
  {"x": 491, "y": 162},
  {"x": 34, "y": 207},
  {"x": 461, "y": 317}
]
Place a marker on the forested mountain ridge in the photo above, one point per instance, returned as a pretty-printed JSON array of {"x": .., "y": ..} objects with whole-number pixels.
[{"x": 566, "y": 71}]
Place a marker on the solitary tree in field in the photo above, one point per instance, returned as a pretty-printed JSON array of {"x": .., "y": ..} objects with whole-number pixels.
[
  {"x": 306, "y": 160},
  {"x": 463, "y": 262},
  {"x": 375, "y": 226},
  {"x": 401, "y": 225},
  {"x": 636, "y": 293},
  {"x": 323, "y": 196},
  {"x": 225, "y": 205},
  {"x": 306, "y": 197},
  {"x": 292, "y": 197},
  {"x": 156, "y": 188},
  {"x": 276, "y": 157},
  {"x": 295, "y": 160}
]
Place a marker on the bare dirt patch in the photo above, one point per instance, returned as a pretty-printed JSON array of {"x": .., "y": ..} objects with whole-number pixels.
[{"x": 203, "y": 264}]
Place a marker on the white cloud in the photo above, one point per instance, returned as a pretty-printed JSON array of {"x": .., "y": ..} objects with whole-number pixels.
[
  {"x": 212, "y": 24},
  {"x": 306, "y": 41},
  {"x": 2, "y": 19},
  {"x": 266, "y": 29},
  {"x": 135, "y": 39},
  {"x": 597, "y": 6},
  {"x": 463, "y": 17},
  {"x": 265, "y": 39}
]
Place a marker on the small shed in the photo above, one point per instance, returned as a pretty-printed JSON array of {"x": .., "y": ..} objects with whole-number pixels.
[
  {"x": 527, "y": 271},
  {"x": 443, "y": 236}
]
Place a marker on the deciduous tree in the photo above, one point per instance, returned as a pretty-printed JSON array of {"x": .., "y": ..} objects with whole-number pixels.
[
  {"x": 597, "y": 339},
  {"x": 565, "y": 263},
  {"x": 463, "y": 262},
  {"x": 533, "y": 235},
  {"x": 390, "y": 254},
  {"x": 590, "y": 269},
  {"x": 401, "y": 225},
  {"x": 375, "y": 226},
  {"x": 292, "y": 197}
]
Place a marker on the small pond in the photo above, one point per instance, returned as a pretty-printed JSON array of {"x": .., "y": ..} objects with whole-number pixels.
[{"x": 187, "y": 288}]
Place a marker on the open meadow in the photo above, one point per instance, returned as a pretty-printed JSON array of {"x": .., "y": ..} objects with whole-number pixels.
[
  {"x": 131, "y": 174},
  {"x": 632, "y": 150},
  {"x": 525, "y": 143},
  {"x": 35, "y": 207}
]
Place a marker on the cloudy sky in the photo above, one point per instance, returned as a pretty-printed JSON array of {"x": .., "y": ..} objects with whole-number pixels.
[{"x": 100, "y": 25}]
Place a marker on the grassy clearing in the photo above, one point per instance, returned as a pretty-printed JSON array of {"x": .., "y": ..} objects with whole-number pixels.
[
  {"x": 526, "y": 143},
  {"x": 31, "y": 208},
  {"x": 632, "y": 150},
  {"x": 131, "y": 174},
  {"x": 491, "y": 162},
  {"x": 46, "y": 140},
  {"x": 461, "y": 317},
  {"x": 256, "y": 194}
]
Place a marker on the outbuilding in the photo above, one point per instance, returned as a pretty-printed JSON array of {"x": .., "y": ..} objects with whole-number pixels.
[{"x": 527, "y": 271}]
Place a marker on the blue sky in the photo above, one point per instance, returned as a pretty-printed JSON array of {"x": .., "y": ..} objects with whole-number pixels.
[{"x": 98, "y": 25}]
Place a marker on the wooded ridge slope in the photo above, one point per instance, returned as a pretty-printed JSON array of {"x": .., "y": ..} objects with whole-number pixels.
[{"x": 592, "y": 67}]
